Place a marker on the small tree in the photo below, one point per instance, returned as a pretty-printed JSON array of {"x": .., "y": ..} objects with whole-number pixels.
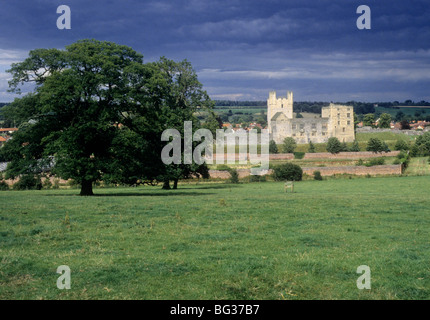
[
  {"x": 384, "y": 121},
  {"x": 311, "y": 148},
  {"x": 234, "y": 176},
  {"x": 289, "y": 145},
  {"x": 273, "y": 148},
  {"x": 333, "y": 145},
  {"x": 369, "y": 120},
  {"x": 287, "y": 171},
  {"x": 28, "y": 182},
  {"x": 344, "y": 147},
  {"x": 421, "y": 148},
  {"x": 317, "y": 175},
  {"x": 355, "y": 147},
  {"x": 401, "y": 145},
  {"x": 376, "y": 145}
]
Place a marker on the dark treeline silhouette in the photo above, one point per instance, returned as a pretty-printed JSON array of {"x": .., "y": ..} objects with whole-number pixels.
[{"x": 315, "y": 107}]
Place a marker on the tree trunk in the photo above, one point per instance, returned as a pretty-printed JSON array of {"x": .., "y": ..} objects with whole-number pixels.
[
  {"x": 87, "y": 188},
  {"x": 175, "y": 184},
  {"x": 166, "y": 185}
]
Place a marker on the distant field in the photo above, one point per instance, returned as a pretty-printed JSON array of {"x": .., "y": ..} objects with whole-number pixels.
[
  {"x": 251, "y": 110},
  {"x": 410, "y": 111},
  {"x": 220, "y": 241}
]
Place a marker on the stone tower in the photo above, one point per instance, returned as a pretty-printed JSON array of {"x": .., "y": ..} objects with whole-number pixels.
[
  {"x": 334, "y": 121},
  {"x": 282, "y": 104}
]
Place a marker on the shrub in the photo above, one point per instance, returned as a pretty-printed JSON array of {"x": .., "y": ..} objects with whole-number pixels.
[
  {"x": 28, "y": 182},
  {"x": 375, "y": 162},
  {"x": 355, "y": 147},
  {"x": 344, "y": 147},
  {"x": 317, "y": 175},
  {"x": 401, "y": 145},
  {"x": 234, "y": 176},
  {"x": 56, "y": 184},
  {"x": 287, "y": 171},
  {"x": 360, "y": 162},
  {"x": 299, "y": 155},
  {"x": 223, "y": 167},
  {"x": 376, "y": 145},
  {"x": 47, "y": 184},
  {"x": 289, "y": 145},
  {"x": 333, "y": 145},
  {"x": 403, "y": 158},
  {"x": 273, "y": 148},
  {"x": 421, "y": 146},
  {"x": 4, "y": 186},
  {"x": 311, "y": 148}
]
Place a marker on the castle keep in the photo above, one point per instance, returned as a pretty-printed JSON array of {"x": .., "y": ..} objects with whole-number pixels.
[{"x": 334, "y": 121}]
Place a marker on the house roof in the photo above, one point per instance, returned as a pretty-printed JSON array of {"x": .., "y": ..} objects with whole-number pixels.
[
  {"x": 2, "y": 139},
  {"x": 8, "y": 129}
]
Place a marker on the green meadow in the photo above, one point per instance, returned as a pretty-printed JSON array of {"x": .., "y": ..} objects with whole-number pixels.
[{"x": 220, "y": 241}]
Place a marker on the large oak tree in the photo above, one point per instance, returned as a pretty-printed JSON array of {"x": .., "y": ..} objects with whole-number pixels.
[{"x": 97, "y": 112}]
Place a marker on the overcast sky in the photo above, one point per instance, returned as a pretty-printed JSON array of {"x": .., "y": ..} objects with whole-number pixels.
[{"x": 242, "y": 49}]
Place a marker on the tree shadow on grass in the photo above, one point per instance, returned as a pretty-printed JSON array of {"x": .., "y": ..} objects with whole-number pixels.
[
  {"x": 216, "y": 186},
  {"x": 166, "y": 193}
]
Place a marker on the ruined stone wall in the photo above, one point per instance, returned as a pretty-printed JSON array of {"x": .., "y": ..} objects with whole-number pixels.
[
  {"x": 325, "y": 171},
  {"x": 325, "y": 155},
  {"x": 350, "y": 155},
  {"x": 356, "y": 170}
]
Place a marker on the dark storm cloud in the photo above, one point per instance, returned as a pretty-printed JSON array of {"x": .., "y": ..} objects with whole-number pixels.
[{"x": 242, "y": 49}]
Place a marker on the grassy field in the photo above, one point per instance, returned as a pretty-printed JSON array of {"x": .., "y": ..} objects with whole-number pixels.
[
  {"x": 220, "y": 241},
  {"x": 418, "y": 166},
  {"x": 407, "y": 110}
]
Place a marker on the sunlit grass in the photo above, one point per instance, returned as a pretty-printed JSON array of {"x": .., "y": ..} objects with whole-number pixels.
[{"x": 220, "y": 241}]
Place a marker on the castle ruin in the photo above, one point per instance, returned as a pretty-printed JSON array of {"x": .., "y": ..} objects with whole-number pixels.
[{"x": 334, "y": 121}]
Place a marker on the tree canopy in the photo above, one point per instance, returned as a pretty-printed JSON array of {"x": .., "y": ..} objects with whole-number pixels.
[{"x": 97, "y": 112}]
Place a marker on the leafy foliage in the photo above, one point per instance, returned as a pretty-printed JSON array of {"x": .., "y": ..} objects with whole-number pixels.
[
  {"x": 273, "y": 148},
  {"x": 333, "y": 145},
  {"x": 289, "y": 145},
  {"x": 355, "y": 147},
  {"x": 384, "y": 121},
  {"x": 98, "y": 113},
  {"x": 317, "y": 175},
  {"x": 234, "y": 176},
  {"x": 421, "y": 147},
  {"x": 287, "y": 171},
  {"x": 401, "y": 145},
  {"x": 376, "y": 145},
  {"x": 28, "y": 182}
]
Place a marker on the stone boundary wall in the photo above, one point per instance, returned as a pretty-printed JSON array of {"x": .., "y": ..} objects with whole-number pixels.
[
  {"x": 356, "y": 170},
  {"x": 350, "y": 155},
  {"x": 325, "y": 171},
  {"x": 327, "y": 155},
  {"x": 398, "y": 131}
]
